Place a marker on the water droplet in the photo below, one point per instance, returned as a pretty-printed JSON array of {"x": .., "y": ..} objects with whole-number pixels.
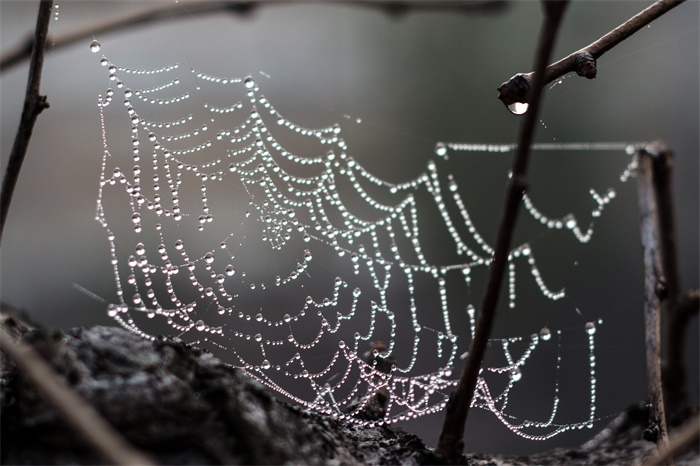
[
  {"x": 95, "y": 46},
  {"x": 265, "y": 364},
  {"x": 230, "y": 270},
  {"x": 516, "y": 375},
  {"x": 590, "y": 328},
  {"x": 518, "y": 108},
  {"x": 440, "y": 149},
  {"x": 545, "y": 334},
  {"x": 249, "y": 82},
  {"x": 200, "y": 325}
]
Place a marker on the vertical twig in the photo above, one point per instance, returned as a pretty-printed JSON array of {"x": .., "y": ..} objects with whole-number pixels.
[
  {"x": 653, "y": 286},
  {"x": 34, "y": 104},
  {"x": 79, "y": 415},
  {"x": 451, "y": 442},
  {"x": 674, "y": 376}
]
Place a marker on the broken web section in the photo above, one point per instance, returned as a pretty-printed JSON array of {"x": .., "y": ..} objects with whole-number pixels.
[{"x": 239, "y": 230}]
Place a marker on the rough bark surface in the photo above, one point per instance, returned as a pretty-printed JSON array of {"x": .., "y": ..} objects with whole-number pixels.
[{"x": 181, "y": 405}]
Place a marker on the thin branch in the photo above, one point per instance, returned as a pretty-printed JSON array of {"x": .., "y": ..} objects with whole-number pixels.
[
  {"x": 78, "y": 414},
  {"x": 653, "y": 287},
  {"x": 187, "y": 9},
  {"x": 34, "y": 104},
  {"x": 674, "y": 376},
  {"x": 451, "y": 442},
  {"x": 583, "y": 62}
]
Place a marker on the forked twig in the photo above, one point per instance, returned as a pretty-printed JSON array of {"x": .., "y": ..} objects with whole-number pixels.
[
  {"x": 582, "y": 62},
  {"x": 34, "y": 104},
  {"x": 78, "y": 414},
  {"x": 451, "y": 442},
  {"x": 653, "y": 288}
]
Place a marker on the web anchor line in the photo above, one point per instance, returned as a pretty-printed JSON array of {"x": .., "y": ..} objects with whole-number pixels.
[{"x": 325, "y": 259}]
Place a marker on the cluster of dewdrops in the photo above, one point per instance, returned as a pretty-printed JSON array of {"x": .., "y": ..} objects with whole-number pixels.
[{"x": 309, "y": 208}]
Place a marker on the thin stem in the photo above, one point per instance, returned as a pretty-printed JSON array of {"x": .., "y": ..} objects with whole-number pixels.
[
  {"x": 583, "y": 61},
  {"x": 79, "y": 415},
  {"x": 675, "y": 377},
  {"x": 653, "y": 286},
  {"x": 186, "y": 9},
  {"x": 451, "y": 442},
  {"x": 34, "y": 104}
]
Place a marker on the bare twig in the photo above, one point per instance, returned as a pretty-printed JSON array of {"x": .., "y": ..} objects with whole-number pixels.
[
  {"x": 582, "y": 62},
  {"x": 674, "y": 375},
  {"x": 681, "y": 442},
  {"x": 451, "y": 442},
  {"x": 186, "y": 9},
  {"x": 653, "y": 287},
  {"x": 34, "y": 104},
  {"x": 78, "y": 414}
]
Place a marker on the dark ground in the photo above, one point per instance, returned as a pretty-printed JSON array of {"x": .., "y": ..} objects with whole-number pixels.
[{"x": 181, "y": 405}]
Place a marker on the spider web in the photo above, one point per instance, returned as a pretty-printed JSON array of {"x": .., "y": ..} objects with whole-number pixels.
[{"x": 323, "y": 286}]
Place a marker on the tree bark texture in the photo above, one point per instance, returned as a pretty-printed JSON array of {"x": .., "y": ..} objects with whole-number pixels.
[
  {"x": 653, "y": 287},
  {"x": 181, "y": 405}
]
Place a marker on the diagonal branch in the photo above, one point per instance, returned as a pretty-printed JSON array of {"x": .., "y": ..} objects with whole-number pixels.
[
  {"x": 582, "y": 62},
  {"x": 451, "y": 442},
  {"x": 187, "y": 9},
  {"x": 34, "y": 104}
]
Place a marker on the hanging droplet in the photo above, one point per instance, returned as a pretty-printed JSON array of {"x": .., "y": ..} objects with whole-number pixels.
[
  {"x": 590, "y": 328},
  {"x": 95, "y": 46},
  {"x": 518, "y": 108},
  {"x": 545, "y": 334},
  {"x": 249, "y": 82},
  {"x": 200, "y": 325},
  {"x": 440, "y": 149},
  {"x": 516, "y": 375},
  {"x": 230, "y": 270}
]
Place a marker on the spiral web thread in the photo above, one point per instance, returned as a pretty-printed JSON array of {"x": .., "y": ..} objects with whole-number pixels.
[{"x": 317, "y": 344}]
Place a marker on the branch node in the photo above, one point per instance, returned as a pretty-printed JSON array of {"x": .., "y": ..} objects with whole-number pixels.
[
  {"x": 653, "y": 432},
  {"x": 516, "y": 89},
  {"x": 586, "y": 66},
  {"x": 661, "y": 290},
  {"x": 42, "y": 103}
]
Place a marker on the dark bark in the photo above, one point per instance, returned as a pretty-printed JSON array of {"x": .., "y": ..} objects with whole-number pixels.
[{"x": 181, "y": 405}]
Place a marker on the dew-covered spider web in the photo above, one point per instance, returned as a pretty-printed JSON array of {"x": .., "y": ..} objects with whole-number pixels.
[{"x": 241, "y": 231}]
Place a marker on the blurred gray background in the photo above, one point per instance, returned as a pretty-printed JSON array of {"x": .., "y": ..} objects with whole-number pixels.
[{"x": 413, "y": 79}]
